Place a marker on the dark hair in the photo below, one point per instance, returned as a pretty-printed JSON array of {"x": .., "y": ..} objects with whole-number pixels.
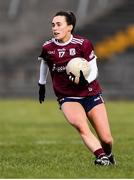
[{"x": 70, "y": 17}]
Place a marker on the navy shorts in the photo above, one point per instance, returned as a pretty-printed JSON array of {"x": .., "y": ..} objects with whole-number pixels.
[{"x": 87, "y": 102}]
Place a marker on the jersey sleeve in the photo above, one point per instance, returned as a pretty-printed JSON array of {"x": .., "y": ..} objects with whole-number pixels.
[
  {"x": 43, "y": 54},
  {"x": 88, "y": 50}
]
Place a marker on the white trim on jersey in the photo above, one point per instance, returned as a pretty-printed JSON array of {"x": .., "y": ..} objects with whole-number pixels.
[
  {"x": 77, "y": 41},
  {"x": 72, "y": 40},
  {"x": 47, "y": 42},
  {"x": 43, "y": 72},
  {"x": 72, "y": 97},
  {"x": 81, "y": 40}
]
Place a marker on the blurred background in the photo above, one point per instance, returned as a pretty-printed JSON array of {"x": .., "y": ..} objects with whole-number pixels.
[{"x": 26, "y": 24}]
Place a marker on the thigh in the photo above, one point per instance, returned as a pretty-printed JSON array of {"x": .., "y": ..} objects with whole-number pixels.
[
  {"x": 99, "y": 119},
  {"x": 74, "y": 113}
]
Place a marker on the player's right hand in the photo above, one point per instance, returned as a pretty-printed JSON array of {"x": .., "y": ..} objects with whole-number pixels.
[
  {"x": 42, "y": 91},
  {"x": 73, "y": 78},
  {"x": 81, "y": 81}
]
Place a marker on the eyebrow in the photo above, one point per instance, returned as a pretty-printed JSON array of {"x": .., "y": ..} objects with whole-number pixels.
[{"x": 56, "y": 23}]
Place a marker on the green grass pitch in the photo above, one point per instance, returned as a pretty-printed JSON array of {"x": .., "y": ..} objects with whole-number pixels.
[{"x": 37, "y": 142}]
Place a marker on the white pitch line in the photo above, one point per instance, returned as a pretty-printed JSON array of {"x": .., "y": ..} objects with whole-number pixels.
[
  {"x": 58, "y": 142},
  {"x": 41, "y": 142}
]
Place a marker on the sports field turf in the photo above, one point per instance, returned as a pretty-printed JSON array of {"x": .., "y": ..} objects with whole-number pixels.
[{"x": 37, "y": 142}]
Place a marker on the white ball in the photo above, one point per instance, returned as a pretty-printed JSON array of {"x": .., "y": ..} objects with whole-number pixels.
[{"x": 76, "y": 64}]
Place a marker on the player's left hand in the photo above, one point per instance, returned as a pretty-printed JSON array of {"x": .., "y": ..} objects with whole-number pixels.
[{"x": 78, "y": 80}]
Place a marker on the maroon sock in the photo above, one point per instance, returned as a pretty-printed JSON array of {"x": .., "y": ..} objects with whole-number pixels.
[{"x": 99, "y": 152}]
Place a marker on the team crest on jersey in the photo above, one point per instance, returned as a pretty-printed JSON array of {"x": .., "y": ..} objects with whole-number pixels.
[
  {"x": 90, "y": 89},
  {"x": 72, "y": 51}
]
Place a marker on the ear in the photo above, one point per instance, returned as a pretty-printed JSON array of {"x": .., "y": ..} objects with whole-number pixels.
[{"x": 70, "y": 27}]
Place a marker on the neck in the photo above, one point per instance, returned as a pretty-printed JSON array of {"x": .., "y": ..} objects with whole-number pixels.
[{"x": 65, "y": 39}]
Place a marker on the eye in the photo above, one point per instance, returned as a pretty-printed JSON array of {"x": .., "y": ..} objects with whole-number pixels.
[
  {"x": 59, "y": 24},
  {"x": 53, "y": 25}
]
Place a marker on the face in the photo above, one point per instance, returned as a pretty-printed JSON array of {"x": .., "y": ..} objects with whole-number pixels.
[{"x": 61, "y": 30}]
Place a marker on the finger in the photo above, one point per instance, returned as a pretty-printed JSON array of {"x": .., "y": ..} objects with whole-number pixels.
[
  {"x": 72, "y": 74},
  {"x": 71, "y": 78},
  {"x": 77, "y": 79},
  {"x": 81, "y": 73}
]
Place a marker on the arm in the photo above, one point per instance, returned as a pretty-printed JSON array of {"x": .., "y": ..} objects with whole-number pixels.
[
  {"x": 43, "y": 72},
  {"x": 42, "y": 80},
  {"x": 94, "y": 70}
]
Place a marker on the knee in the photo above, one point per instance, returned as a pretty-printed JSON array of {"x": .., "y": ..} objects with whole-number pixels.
[{"x": 81, "y": 128}]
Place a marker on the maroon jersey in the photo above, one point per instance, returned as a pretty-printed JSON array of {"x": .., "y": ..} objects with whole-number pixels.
[{"x": 57, "y": 55}]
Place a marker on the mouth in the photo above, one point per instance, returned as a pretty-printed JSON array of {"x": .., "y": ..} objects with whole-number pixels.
[{"x": 56, "y": 33}]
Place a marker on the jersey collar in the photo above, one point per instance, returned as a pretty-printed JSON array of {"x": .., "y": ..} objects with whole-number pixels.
[{"x": 62, "y": 44}]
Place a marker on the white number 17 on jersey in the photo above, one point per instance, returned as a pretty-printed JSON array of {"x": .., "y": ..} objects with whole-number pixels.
[{"x": 61, "y": 53}]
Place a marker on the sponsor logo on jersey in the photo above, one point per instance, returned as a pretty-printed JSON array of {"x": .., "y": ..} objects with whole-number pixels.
[
  {"x": 62, "y": 49},
  {"x": 58, "y": 68},
  {"x": 51, "y": 52}
]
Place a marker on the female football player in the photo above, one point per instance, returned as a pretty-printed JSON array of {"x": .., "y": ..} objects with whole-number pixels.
[{"x": 80, "y": 101}]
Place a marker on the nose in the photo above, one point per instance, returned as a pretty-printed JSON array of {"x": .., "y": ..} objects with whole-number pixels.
[{"x": 54, "y": 27}]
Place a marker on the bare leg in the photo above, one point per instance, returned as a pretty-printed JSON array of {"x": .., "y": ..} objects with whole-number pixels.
[
  {"x": 76, "y": 116},
  {"x": 98, "y": 118}
]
